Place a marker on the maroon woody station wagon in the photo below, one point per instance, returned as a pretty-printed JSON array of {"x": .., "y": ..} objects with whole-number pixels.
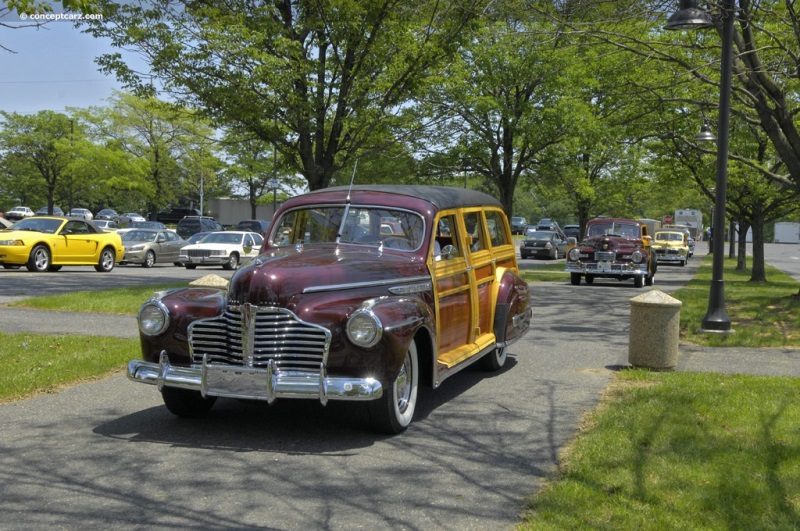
[{"x": 358, "y": 294}]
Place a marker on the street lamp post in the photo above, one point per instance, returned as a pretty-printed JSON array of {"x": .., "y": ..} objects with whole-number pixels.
[{"x": 689, "y": 16}]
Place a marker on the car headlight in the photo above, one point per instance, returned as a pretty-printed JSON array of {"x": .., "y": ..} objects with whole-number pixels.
[
  {"x": 574, "y": 254},
  {"x": 637, "y": 256},
  {"x": 12, "y": 243},
  {"x": 136, "y": 248},
  {"x": 364, "y": 328},
  {"x": 219, "y": 253},
  {"x": 153, "y": 318}
]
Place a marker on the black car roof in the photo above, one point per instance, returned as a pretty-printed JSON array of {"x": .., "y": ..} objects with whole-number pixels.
[{"x": 442, "y": 197}]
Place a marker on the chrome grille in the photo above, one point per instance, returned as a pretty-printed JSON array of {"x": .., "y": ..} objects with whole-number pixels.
[
  {"x": 252, "y": 336},
  {"x": 199, "y": 253},
  {"x": 605, "y": 256}
]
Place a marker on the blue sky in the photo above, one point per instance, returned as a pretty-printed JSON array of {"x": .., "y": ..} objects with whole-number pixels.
[{"x": 53, "y": 68}]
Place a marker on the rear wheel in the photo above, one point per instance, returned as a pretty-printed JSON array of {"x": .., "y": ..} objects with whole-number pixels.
[
  {"x": 39, "y": 260},
  {"x": 185, "y": 403},
  {"x": 106, "y": 262},
  {"x": 393, "y": 411}
]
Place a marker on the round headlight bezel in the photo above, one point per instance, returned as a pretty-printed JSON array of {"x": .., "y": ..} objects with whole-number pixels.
[
  {"x": 153, "y": 318},
  {"x": 364, "y": 329},
  {"x": 574, "y": 254},
  {"x": 637, "y": 256}
]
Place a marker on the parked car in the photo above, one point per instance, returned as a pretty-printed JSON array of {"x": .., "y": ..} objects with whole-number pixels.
[
  {"x": 226, "y": 249},
  {"x": 150, "y": 246},
  {"x": 130, "y": 217},
  {"x": 335, "y": 310},
  {"x": 543, "y": 244},
  {"x": 671, "y": 246},
  {"x": 260, "y": 226},
  {"x": 547, "y": 224},
  {"x": 19, "y": 212},
  {"x": 46, "y": 243},
  {"x": 691, "y": 246},
  {"x": 518, "y": 225},
  {"x": 196, "y": 238},
  {"x": 613, "y": 248},
  {"x": 45, "y": 211},
  {"x": 83, "y": 213},
  {"x": 192, "y": 224},
  {"x": 108, "y": 214},
  {"x": 174, "y": 215},
  {"x": 106, "y": 224},
  {"x": 572, "y": 231}
]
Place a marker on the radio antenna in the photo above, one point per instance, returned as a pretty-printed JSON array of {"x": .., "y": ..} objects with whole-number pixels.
[{"x": 346, "y": 204}]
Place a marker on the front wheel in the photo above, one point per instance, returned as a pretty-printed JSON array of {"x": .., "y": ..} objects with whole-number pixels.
[
  {"x": 190, "y": 266},
  {"x": 494, "y": 360},
  {"x": 106, "y": 262},
  {"x": 638, "y": 281},
  {"x": 575, "y": 278},
  {"x": 589, "y": 280},
  {"x": 393, "y": 411},
  {"x": 555, "y": 254},
  {"x": 149, "y": 259},
  {"x": 233, "y": 262},
  {"x": 185, "y": 403},
  {"x": 39, "y": 260}
]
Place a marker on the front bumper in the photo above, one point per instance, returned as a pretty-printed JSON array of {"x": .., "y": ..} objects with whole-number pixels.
[
  {"x": 670, "y": 257},
  {"x": 608, "y": 269},
  {"x": 253, "y": 384},
  {"x": 204, "y": 260}
]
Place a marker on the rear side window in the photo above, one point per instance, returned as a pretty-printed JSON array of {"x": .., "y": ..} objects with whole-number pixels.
[{"x": 496, "y": 223}]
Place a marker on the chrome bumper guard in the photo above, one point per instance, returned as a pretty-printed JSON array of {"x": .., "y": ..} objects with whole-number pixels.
[
  {"x": 253, "y": 383},
  {"x": 607, "y": 268}
]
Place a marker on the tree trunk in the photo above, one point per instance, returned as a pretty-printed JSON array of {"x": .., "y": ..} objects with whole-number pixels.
[
  {"x": 741, "y": 261},
  {"x": 759, "y": 272}
]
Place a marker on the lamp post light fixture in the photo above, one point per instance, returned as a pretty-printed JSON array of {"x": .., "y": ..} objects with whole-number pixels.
[{"x": 689, "y": 16}]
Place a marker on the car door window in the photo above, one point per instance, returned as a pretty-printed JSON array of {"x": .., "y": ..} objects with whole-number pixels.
[{"x": 472, "y": 220}]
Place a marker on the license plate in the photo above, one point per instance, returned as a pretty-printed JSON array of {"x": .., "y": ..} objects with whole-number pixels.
[{"x": 237, "y": 382}]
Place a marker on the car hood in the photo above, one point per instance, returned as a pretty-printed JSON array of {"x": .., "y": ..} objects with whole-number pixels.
[{"x": 275, "y": 278}]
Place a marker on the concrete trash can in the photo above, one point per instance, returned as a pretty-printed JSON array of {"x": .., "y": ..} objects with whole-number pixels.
[{"x": 655, "y": 330}]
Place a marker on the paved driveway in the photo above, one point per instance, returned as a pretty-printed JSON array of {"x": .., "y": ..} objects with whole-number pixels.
[{"x": 108, "y": 455}]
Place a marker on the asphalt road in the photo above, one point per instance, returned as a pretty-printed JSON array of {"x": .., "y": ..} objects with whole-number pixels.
[{"x": 108, "y": 455}]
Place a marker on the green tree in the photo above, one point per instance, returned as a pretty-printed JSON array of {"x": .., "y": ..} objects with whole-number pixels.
[
  {"x": 173, "y": 148},
  {"x": 322, "y": 81},
  {"x": 35, "y": 153}
]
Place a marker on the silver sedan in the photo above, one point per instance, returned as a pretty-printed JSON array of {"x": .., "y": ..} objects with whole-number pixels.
[{"x": 148, "y": 246}]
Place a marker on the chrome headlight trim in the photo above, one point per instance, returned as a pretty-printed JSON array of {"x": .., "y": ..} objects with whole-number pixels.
[
  {"x": 364, "y": 329},
  {"x": 153, "y": 318},
  {"x": 637, "y": 256},
  {"x": 574, "y": 254}
]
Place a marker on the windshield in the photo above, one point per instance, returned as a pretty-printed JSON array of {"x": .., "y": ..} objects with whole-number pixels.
[
  {"x": 50, "y": 226},
  {"x": 611, "y": 228},
  {"x": 139, "y": 236},
  {"x": 539, "y": 236},
  {"x": 669, "y": 236},
  {"x": 371, "y": 226}
]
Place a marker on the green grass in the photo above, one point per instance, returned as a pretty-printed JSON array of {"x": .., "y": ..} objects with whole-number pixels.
[
  {"x": 120, "y": 300},
  {"x": 680, "y": 451},
  {"x": 762, "y": 314},
  {"x": 36, "y": 363},
  {"x": 545, "y": 273}
]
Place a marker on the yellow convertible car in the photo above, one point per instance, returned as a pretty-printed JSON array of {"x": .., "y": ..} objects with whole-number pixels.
[{"x": 46, "y": 243}]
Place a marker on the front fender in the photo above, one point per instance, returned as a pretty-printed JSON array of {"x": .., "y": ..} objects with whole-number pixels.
[{"x": 401, "y": 317}]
